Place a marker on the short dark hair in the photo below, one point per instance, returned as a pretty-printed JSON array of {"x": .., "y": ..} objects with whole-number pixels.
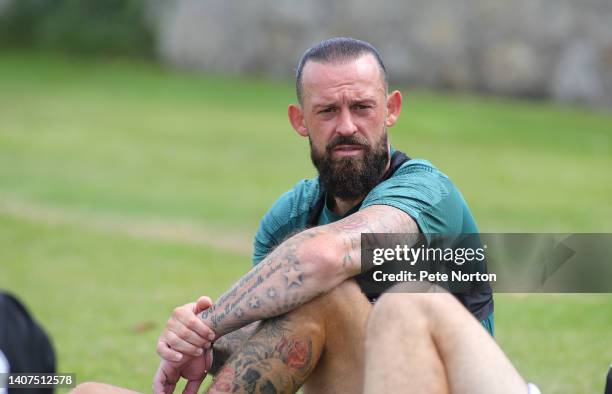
[{"x": 336, "y": 49}]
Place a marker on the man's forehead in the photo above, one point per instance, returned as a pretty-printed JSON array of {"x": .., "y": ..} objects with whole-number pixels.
[{"x": 362, "y": 73}]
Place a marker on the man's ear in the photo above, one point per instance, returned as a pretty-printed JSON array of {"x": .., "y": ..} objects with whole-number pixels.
[
  {"x": 296, "y": 117},
  {"x": 394, "y": 107}
]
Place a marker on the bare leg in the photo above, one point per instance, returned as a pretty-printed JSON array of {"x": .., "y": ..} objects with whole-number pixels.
[
  {"x": 100, "y": 388},
  {"x": 320, "y": 343},
  {"x": 429, "y": 343},
  {"x": 276, "y": 359},
  {"x": 231, "y": 343},
  {"x": 342, "y": 364}
]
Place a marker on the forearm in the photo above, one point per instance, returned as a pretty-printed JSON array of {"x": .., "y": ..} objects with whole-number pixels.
[
  {"x": 303, "y": 267},
  {"x": 296, "y": 272}
]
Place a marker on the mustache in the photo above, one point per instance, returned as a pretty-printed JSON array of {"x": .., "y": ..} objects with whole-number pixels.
[{"x": 346, "y": 140}]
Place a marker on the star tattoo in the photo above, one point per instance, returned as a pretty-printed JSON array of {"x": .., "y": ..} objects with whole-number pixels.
[
  {"x": 271, "y": 293},
  {"x": 254, "y": 302},
  {"x": 293, "y": 277}
]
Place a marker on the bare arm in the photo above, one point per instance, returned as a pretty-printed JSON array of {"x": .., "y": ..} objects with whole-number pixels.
[{"x": 303, "y": 267}]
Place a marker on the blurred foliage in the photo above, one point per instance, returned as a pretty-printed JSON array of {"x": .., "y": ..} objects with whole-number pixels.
[{"x": 92, "y": 27}]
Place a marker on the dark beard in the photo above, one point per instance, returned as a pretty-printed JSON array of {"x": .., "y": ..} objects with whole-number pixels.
[{"x": 351, "y": 177}]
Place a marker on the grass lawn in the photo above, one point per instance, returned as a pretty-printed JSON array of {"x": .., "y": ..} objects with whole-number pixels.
[{"x": 126, "y": 189}]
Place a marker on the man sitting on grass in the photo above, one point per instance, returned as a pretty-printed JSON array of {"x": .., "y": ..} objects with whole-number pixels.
[
  {"x": 364, "y": 186},
  {"x": 299, "y": 318},
  {"x": 417, "y": 340}
]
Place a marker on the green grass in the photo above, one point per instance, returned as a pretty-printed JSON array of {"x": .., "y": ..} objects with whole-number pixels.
[{"x": 123, "y": 187}]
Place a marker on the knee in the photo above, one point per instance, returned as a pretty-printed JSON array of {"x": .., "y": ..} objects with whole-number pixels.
[
  {"x": 100, "y": 388},
  {"x": 346, "y": 292},
  {"x": 406, "y": 311},
  {"x": 345, "y": 296},
  {"x": 395, "y": 310},
  {"x": 304, "y": 322},
  {"x": 341, "y": 304}
]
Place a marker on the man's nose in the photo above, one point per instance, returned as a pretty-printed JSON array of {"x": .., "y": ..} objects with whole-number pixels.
[{"x": 345, "y": 125}]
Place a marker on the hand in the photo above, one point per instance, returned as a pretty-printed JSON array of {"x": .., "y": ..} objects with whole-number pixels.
[
  {"x": 192, "y": 369},
  {"x": 185, "y": 333}
]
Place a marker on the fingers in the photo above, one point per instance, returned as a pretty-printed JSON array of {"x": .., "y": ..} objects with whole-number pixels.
[
  {"x": 208, "y": 357},
  {"x": 165, "y": 352},
  {"x": 189, "y": 327},
  {"x": 160, "y": 388},
  {"x": 185, "y": 347},
  {"x": 202, "y": 304},
  {"x": 186, "y": 333},
  {"x": 165, "y": 379},
  {"x": 192, "y": 386}
]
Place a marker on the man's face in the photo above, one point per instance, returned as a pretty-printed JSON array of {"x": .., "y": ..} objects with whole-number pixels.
[{"x": 344, "y": 109}]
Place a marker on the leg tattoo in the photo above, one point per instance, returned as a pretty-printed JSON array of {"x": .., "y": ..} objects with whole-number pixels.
[
  {"x": 231, "y": 344},
  {"x": 276, "y": 359}
]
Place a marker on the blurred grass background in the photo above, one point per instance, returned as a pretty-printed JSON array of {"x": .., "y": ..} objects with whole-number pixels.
[{"x": 126, "y": 189}]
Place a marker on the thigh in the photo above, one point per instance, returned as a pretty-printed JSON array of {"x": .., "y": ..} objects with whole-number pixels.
[
  {"x": 341, "y": 366},
  {"x": 100, "y": 388},
  {"x": 474, "y": 361},
  {"x": 278, "y": 358},
  {"x": 318, "y": 345}
]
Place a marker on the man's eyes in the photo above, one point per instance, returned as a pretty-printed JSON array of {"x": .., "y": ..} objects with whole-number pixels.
[{"x": 358, "y": 107}]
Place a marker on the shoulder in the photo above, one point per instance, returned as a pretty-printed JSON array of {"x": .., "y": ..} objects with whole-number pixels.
[
  {"x": 294, "y": 203},
  {"x": 286, "y": 216},
  {"x": 423, "y": 175},
  {"x": 419, "y": 167},
  {"x": 425, "y": 193},
  {"x": 417, "y": 177}
]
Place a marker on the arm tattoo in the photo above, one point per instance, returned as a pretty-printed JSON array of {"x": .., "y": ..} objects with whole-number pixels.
[
  {"x": 291, "y": 274},
  {"x": 373, "y": 219}
]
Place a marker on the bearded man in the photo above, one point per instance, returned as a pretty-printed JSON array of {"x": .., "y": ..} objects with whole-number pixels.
[
  {"x": 310, "y": 313},
  {"x": 299, "y": 318}
]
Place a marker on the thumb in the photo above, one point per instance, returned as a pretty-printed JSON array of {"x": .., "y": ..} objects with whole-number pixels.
[{"x": 202, "y": 304}]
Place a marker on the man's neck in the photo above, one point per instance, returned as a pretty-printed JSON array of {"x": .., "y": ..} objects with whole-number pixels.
[{"x": 342, "y": 206}]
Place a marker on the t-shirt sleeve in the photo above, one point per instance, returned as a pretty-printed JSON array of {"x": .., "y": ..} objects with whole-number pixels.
[
  {"x": 288, "y": 215},
  {"x": 424, "y": 193},
  {"x": 268, "y": 236}
]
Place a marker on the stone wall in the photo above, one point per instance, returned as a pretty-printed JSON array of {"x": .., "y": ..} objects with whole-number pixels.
[{"x": 559, "y": 49}]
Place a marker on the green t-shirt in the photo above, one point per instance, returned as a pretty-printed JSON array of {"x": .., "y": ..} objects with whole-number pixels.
[{"x": 417, "y": 188}]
